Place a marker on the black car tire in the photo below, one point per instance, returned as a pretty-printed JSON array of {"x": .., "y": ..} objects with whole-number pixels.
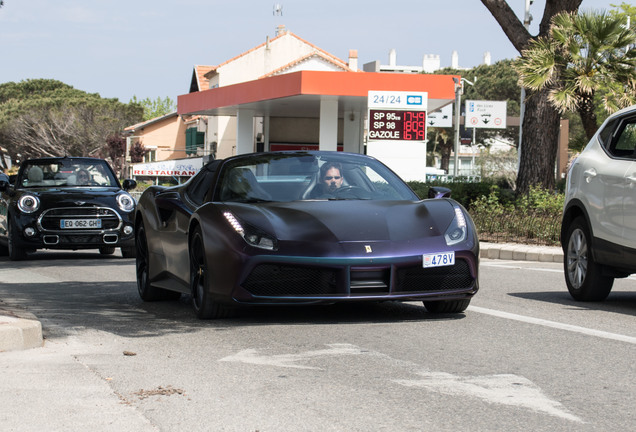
[
  {"x": 204, "y": 306},
  {"x": 15, "y": 254},
  {"x": 147, "y": 292},
  {"x": 583, "y": 276},
  {"x": 447, "y": 306},
  {"x": 106, "y": 250},
  {"x": 128, "y": 252}
]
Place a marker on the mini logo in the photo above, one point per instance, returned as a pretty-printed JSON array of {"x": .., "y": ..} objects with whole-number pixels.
[
  {"x": 368, "y": 248},
  {"x": 79, "y": 203}
]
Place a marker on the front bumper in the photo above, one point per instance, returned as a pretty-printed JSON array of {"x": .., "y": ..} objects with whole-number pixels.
[
  {"x": 294, "y": 281},
  {"x": 44, "y": 231}
]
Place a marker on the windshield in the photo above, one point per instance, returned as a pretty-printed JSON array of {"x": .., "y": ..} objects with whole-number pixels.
[
  {"x": 309, "y": 176},
  {"x": 66, "y": 173}
]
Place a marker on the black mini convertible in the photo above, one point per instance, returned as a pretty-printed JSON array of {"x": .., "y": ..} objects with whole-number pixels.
[{"x": 67, "y": 203}]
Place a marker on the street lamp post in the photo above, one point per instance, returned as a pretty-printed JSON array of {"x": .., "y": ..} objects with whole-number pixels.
[
  {"x": 527, "y": 19},
  {"x": 459, "y": 90},
  {"x": 458, "y": 98}
]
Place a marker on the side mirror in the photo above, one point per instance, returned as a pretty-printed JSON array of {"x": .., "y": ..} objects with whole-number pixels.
[
  {"x": 129, "y": 184},
  {"x": 439, "y": 192}
]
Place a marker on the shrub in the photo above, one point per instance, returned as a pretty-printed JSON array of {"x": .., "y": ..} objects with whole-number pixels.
[
  {"x": 534, "y": 218},
  {"x": 501, "y": 216}
]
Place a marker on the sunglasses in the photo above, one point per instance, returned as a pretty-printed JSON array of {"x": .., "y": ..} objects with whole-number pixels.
[{"x": 332, "y": 177}]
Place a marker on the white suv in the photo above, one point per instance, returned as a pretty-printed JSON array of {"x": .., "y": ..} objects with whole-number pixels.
[{"x": 598, "y": 231}]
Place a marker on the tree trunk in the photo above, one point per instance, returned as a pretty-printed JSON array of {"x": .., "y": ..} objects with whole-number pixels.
[
  {"x": 540, "y": 143},
  {"x": 588, "y": 116},
  {"x": 445, "y": 147},
  {"x": 541, "y": 121}
]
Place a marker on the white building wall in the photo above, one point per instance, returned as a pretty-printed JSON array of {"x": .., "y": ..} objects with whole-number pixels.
[
  {"x": 263, "y": 60},
  {"x": 431, "y": 63}
]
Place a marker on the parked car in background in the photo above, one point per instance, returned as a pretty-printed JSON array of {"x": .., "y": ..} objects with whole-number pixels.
[
  {"x": 303, "y": 228},
  {"x": 598, "y": 231},
  {"x": 67, "y": 203}
]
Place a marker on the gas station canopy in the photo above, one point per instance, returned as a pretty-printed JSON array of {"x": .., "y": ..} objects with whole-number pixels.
[{"x": 299, "y": 94}]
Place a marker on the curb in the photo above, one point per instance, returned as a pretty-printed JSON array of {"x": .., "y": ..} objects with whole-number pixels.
[
  {"x": 520, "y": 252},
  {"x": 19, "y": 330}
]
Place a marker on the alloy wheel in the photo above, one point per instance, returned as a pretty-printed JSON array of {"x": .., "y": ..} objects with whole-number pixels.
[{"x": 577, "y": 258}]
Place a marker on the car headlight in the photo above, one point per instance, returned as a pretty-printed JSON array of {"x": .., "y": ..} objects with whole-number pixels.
[
  {"x": 456, "y": 231},
  {"x": 126, "y": 202},
  {"x": 252, "y": 235},
  {"x": 28, "y": 203}
]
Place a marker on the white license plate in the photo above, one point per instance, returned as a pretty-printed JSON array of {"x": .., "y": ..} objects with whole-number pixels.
[
  {"x": 81, "y": 223},
  {"x": 439, "y": 259}
]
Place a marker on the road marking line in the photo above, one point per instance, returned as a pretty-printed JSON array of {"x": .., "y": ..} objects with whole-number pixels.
[
  {"x": 518, "y": 267},
  {"x": 511, "y": 265},
  {"x": 504, "y": 389},
  {"x": 554, "y": 324},
  {"x": 289, "y": 360}
]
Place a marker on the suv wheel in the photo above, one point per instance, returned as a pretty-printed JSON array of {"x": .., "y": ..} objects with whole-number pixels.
[{"x": 583, "y": 276}]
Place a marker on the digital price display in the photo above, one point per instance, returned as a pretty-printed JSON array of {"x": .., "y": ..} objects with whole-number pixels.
[{"x": 397, "y": 125}]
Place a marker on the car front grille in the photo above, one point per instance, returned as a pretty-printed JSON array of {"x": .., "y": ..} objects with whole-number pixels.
[
  {"x": 279, "y": 280},
  {"x": 448, "y": 278},
  {"x": 49, "y": 220},
  {"x": 271, "y": 280}
]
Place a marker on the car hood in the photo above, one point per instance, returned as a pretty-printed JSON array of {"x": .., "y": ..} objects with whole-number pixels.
[
  {"x": 348, "y": 221},
  {"x": 62, "y": 197}
]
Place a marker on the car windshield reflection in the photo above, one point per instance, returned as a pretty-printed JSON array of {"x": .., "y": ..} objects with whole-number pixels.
[
  {"x": 64, "y": 174},
  {"x": 300, "y": 176}
]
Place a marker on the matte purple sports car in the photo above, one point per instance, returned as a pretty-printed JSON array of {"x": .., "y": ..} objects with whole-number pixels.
[{"x": 303, "y": 228}]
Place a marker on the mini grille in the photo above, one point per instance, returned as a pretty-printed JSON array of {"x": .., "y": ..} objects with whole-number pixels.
[
  {"x": 449, "y": 278},
  {"x": 276, "y": 280},
  {"x": 50, "y": 219},
  {"x": 79, "y": 239}
]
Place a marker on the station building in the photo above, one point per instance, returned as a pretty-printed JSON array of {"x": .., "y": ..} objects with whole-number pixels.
[{"x": 288, "y": 94}]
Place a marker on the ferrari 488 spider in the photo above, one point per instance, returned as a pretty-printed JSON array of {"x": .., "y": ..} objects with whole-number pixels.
[{"x": 302, "y": 228}]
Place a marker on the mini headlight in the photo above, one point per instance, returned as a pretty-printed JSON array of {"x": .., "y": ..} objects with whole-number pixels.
[
  {"x": 126, "y": 202},
  {"x": 456, "y": 231},
  {"x": 252, "y": 236},
  {"x": 28, "y": 203}
]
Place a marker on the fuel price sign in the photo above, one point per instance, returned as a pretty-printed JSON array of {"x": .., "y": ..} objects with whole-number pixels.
[{"x": 403, "y": 125}]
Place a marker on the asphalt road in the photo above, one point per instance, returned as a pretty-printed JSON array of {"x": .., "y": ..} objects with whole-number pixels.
[{"x": 523, "y": 357}]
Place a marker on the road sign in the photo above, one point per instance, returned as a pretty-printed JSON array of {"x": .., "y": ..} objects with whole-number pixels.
[
  {"x": 485, "y": 114},
  {"x": 442, "y": 118}
]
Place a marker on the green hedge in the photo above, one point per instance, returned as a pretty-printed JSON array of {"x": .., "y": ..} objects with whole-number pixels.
[{"x": 502, "y": 217}]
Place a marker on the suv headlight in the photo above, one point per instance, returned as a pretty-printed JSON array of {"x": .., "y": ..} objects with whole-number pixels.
[
  {"x": 28, "y": 203},
  {"x": 456, "y": 232},
  {"x": 252, "y": 235},
  {"x": 126, "y": 202}
]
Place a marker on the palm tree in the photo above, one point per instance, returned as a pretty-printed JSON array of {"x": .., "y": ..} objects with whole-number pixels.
[{"x": 584, "y": 55}]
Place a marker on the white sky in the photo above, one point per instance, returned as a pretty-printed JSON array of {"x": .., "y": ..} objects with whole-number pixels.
[{"x": 148, "y": 48}]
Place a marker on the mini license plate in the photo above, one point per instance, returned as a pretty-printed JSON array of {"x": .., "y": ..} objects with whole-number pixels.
[
  {"x": 80, "y": 223},
  {"x": 439, "y": 259}
]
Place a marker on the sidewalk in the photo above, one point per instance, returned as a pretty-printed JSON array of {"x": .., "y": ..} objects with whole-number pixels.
[{"x": 20, "y": 330}]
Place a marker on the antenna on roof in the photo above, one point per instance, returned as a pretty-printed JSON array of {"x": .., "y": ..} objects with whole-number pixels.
[{"x": 278, "y": 10}]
